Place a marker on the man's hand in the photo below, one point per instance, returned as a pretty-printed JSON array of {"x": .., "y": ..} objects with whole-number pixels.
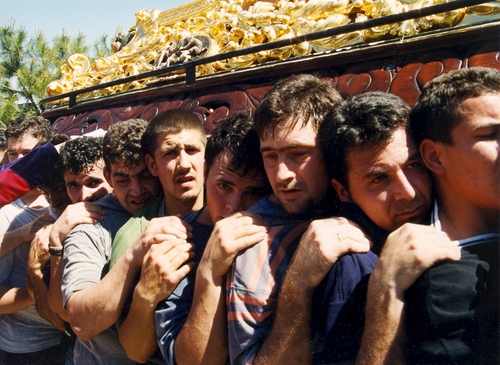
[
  {"x": 164, "y": 266},
  {"x": 35, "y": 284},
  {"x": 323, "y": 243},
  {"x": 73, "y": 215},
  {"x": 408, "y": 252},
  {"x": 29, "y": 230},
  {"x": 231, "y": 235},
  {"x": 157, "y": 231}
]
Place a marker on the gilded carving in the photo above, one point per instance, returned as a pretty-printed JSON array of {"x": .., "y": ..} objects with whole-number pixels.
[{"x": 207, "y": 27}]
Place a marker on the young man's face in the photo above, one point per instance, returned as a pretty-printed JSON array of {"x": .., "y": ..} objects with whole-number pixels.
[
  {"x": 295, "y": 167},
  {"x": 88, "y": 186},
  {"x": 390, "y": 185},
  {"x": 134, "y": 187},
  {"x": 179, "y": 162},
  {"x": 20, "y": 146},
  {"x": 228, "y": 192},
  {"x": 472, "y": 163},
  {"x": 56, "y": 196}
]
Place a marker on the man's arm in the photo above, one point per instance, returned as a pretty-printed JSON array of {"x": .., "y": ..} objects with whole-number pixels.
[
  {"x": 38, "y": 258},
  {"x": 73, "y": 215},
  {"x": 164, "y": 266},
  {"x": 324, "y": 242},
  {"x": 203, "y": 337},
  {"x": 95, "y": 304},
  {"x": 11, "y": 239},
  {"x": 407, "y": 253}
]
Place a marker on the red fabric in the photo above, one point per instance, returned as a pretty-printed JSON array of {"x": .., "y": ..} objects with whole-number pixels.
[{"x": 12, "y": 186}]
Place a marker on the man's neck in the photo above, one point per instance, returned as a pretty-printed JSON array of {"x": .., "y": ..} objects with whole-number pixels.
[
  {"x": 182, "y": 207},
  {"x": 460, "y": 220}
]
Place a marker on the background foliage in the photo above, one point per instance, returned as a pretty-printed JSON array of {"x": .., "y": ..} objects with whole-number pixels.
[{"x": 29, "y": 64}]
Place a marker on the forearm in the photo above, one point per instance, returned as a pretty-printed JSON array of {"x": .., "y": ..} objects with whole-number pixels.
[
  {"x": 203, "y": 338},
  {"x": 54, "y": 294},
  {"x": 94, "y": 309},
  {"x": 140, "y": 323},
  {"x": 14, "y": 299},
  {"x": 289, "y": 341},
  {"x": 383, "y": 333},
  {"x": 40, "y": 292},
  {"x": 11, "y": 239}
]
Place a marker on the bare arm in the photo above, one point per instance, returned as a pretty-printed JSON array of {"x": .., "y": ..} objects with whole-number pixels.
[
  {"x": 164, "y": 266},
  {"x": 407, "y": 253},
  {"x": 38, "y": 258},
  {"x": 73, "y": 215},
  {"x": 14, "y": 299},
  {"x": 203, "y": 338},
  {"x": 95, "y": 308},
  {"x": 11, "y": 239},
  {"x": 324, "y": 242}
]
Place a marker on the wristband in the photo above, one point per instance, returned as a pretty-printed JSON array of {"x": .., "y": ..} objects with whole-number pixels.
[{"x": 55, "y": 251}]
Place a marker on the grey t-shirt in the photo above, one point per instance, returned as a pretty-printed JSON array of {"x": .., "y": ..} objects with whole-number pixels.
[
  {"x": 23, "y": 331},
  {"x": 87, "y": 251}
]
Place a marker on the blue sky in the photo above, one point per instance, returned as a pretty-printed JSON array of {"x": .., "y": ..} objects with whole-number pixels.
[{"x": 92, "y": 17}]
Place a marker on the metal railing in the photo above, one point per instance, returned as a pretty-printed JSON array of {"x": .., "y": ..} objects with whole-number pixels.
[{"x": 190, "y": 66}]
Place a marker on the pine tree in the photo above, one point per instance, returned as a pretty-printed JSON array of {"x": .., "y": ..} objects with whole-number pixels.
[{"x": 28, "y": 65}]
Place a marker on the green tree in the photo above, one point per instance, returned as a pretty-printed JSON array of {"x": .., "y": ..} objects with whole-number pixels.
[{"x": 28, "y": 65}]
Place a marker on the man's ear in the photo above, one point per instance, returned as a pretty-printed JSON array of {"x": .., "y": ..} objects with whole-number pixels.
[
  {"x": 341, "y": 191},
  {"x": 151, "y": 164},
  {"x": 107, "y": 176},
  {"x": 432, "y": 156}
]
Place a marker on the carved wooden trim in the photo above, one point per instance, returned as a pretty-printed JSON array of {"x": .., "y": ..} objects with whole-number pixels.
[{"x": 401, "y": 74}]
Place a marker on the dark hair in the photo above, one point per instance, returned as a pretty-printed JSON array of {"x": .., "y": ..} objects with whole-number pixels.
[
  {"x": 3, "y": 139},
  {"x": 59, "y": 138},
  {"x": 172, "y": 121},
  {"x": 122, "y": 143},
  {"x": 235, "y": 134},
  {"x": 436, "y": 111},
  {"x": 35, "y": 126},
  {"x": 80, "y": 155},
  {"x": 361, "y": 122},
  {"x": 297, "y": 98}
]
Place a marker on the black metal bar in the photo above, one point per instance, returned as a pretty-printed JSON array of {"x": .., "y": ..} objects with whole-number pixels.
[{"x": 190, "y": 66}]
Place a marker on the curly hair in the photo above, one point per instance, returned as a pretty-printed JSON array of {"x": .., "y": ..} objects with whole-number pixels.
[
  {"x": 80, "y": 155},
  {"x": 297, "y": 98},
  {"x": 437, "y": 110},
  {"x": 35, "y": 126},
  {"x": 3, "y": 139},
  {"x": 236, "y": 134},
  {"x": 122, "y": 143},
  {"x": 172, "y": 121},
  {"x": 361, "y": 122}
]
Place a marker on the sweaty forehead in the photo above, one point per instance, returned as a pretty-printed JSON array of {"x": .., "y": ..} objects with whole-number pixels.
[{"x": 185, "y": 137}]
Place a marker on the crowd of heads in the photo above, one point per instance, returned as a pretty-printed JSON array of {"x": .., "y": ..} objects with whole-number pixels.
[{"x": 307, "y": 149}]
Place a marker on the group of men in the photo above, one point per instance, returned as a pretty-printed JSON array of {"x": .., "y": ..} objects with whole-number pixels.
[{"x": 323, "y": 230}]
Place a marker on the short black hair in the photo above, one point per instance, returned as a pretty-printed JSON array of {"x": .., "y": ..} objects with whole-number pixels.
[
  {"x": 79, "y": 155},
  {"x": 296, "y": 98},
  {"x": 360, "y": 122},
  {"x": 436, "y": 111},
  {"x": 35, "y": 126},
  {"x": 236, "y": 134},
  {"x": 122, "y": 143},
  {"x": 171, "y": 121}
]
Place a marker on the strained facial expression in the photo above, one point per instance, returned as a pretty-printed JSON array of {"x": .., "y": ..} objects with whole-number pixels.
[
  {"x": 88, "y": 186},
  {"x": 134, "y": 186},
  {"x": 295, "y": 167},
  {"x": 179, "y": 162},
  {"x": 390, "y": 184},
  {"x": 229, "y": 191}
]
